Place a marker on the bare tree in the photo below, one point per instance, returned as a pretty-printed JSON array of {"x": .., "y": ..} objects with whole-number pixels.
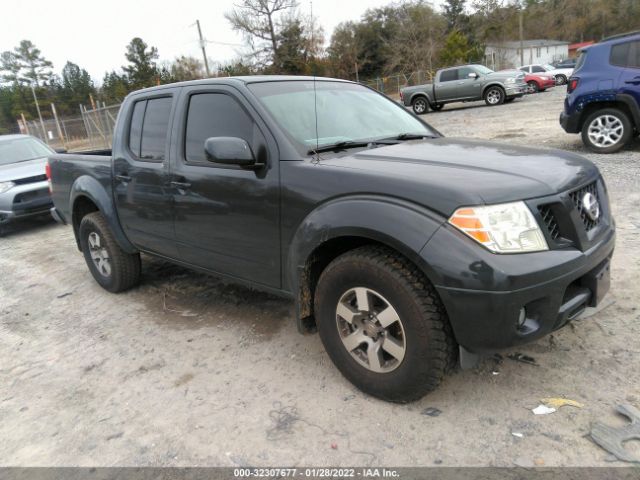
[{"x": 258, "y": 20}]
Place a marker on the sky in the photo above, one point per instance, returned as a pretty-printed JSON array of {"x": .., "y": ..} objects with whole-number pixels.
[{"x": 94, "y": 34}]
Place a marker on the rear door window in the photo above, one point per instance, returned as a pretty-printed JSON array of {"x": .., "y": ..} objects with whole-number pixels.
[
  {"x": 155, "y": 128},
  {"x": 449, "y": 75},
  {"x": 620, "y": 54},
  {"x": 537, "y": 69},
  {"x": 135, "y": 128}
]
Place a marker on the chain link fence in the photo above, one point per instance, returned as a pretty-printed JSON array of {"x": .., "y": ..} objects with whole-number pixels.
[{"x": 91, "y": 130}]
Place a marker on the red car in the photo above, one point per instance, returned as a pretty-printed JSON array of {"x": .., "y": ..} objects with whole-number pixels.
[{"x": 539, "y": 82}]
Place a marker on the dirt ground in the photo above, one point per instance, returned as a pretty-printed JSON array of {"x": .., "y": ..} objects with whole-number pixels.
[{"x": 187, "y": 370}]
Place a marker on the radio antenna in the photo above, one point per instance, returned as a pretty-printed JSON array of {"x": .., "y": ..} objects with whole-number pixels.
[{"x": 315, "y": 94}]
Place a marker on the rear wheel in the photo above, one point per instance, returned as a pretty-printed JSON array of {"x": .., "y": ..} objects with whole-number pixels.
[
  {"x": 383, "y": 324},
  {"x": 494, "y": 96},
  {"x": 532, "y": 87},
  {"x": 114, "y": 269},
  {"x": 420, "y": 105},
  {"x": 607, "y": 130}
]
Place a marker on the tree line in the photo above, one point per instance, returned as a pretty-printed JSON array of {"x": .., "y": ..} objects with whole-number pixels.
[{"x": 279, "y": 38}]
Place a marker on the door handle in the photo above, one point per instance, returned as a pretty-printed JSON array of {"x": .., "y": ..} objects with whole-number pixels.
[
  {"x": 123, "y": 178},
  {"x": 181, "y": 185}
]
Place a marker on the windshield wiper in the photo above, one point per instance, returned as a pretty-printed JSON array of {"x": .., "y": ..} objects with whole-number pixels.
[
  {"x": 333, "y": 147},
  {"x": 412, "y": 136}
]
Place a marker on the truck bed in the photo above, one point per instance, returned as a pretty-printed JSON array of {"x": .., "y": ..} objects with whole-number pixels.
[{"x": 67, "y": 168}]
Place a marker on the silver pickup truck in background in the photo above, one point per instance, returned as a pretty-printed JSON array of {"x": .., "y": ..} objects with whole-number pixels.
[{"x": 467, "y": 83}]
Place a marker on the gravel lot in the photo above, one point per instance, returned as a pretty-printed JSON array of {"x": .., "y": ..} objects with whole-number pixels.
[{"x": 187, "y": 370}]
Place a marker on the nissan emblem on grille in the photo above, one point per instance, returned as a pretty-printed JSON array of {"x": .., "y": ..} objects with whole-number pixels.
[{"x": 591, "y": 206}]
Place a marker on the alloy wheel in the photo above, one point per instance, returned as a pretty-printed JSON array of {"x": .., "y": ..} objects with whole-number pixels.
[
  {"x": 99, "y": 254},
  {"x": 494, "y": 96},
  {"x": 605, "y": 131},
  {"x": 371, "y": 330}
]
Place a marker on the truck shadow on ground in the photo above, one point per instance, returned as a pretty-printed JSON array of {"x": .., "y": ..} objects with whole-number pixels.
[
  {"x": 185, "y": 299},
  {"x": 28, "y": 225}
]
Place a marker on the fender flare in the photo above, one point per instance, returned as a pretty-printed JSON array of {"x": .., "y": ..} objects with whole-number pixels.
[
  {"x": 632, "y": 104},
  {"x": 398, "y": 224},
  {"x": 420, "y": 94},
  {"x": 89, "y": 187}
]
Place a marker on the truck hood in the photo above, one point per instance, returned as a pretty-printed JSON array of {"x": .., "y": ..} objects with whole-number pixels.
[
  {"x": 504, "y": 74},
  {"x": 446, "y": 173},
  {"x": 19, "y": 170}
]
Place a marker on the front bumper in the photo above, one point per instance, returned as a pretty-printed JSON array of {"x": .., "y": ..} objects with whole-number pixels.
[
  {"x": 484, "y": 293},
  {"x": 516, "y": 90},
  {"x": 25, "y": 201}
]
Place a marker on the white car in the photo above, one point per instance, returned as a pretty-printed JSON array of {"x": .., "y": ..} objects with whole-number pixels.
[{"x": 561, "y": 74}]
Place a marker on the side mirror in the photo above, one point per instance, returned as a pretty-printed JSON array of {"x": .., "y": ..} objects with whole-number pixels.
[
  {"x": 473, "y": 75},
  {"x": 229, "y": 151}
]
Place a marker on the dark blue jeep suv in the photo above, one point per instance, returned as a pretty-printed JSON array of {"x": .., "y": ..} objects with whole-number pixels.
[{"x": 603, "y": 94}]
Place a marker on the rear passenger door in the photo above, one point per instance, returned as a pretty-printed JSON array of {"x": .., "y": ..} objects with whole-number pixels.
[
  {"x": 227, "y": 218},
  {"x": 141, "y": 174},
  {"x": 447, "y": 85},
  {"x": 630, "y": 78}
]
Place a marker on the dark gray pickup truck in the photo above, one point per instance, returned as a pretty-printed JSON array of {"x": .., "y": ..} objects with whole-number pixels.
[
  {"x": 466, "y": 83},
  {"x": 401, "y": 247}
]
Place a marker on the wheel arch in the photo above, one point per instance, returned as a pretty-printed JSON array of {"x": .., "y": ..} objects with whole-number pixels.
[
  {"x": 89, "y": 195},
  {"x": 398, "y": 226},
  {"x": 493, "y": 84},
  {"x": 619, "y": 102}
]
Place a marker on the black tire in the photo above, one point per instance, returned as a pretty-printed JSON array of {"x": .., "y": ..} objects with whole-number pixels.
[
  {"x": 532, "y": 87},
  {"x": 607, "y": 113},
  {"x": 420, "y": 105},
  {"x": 494, "y": 96},
  {"x": 124, "y": 268},
  {"x": 561, "y": 79},
  {"x": 437, "y": 107},
  {"x": 430, "y": 348}
]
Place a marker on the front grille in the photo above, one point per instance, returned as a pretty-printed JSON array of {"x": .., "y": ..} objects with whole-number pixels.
[
  {"x": 35, "y": 179},
  {"x": 550, "y": 221},
  {"x": 577, "y": 196}
]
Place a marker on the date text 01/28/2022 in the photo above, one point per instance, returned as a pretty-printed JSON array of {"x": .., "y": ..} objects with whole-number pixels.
[{"x": 315, "y": 473}]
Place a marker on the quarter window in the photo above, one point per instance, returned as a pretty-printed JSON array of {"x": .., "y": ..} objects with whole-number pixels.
[
  {"x": 217, "y": 115},
  {"x": 634, "y": 55}
]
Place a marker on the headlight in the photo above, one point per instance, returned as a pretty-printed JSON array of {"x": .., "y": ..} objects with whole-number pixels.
[
  {"x": 4, "y": 186},
  {"x": 510, "y": 80},
  {"x": 505, "y": 228}
]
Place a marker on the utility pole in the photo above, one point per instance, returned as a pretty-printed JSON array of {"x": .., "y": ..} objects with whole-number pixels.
[
  {"x": 521, "y": 37},
  {"x": 204, "y": 50}
]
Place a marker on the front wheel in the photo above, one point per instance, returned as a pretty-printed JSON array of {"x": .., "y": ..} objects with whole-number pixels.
[
  {"x": 532, "y": 87},
  {"x": 420, "y": 105},
  {"x": 607, "y": 130},
  {"x": 114, "y": 269},
  {"x": 383, "y": 324},
  {"x": 561, "y": 79},
  {"x": 494, "y": 96}
]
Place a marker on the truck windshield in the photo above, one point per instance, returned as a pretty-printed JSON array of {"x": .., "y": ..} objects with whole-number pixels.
[
  {"x": 346, "y": 112},
  {"x": 22, "y": 149}
]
